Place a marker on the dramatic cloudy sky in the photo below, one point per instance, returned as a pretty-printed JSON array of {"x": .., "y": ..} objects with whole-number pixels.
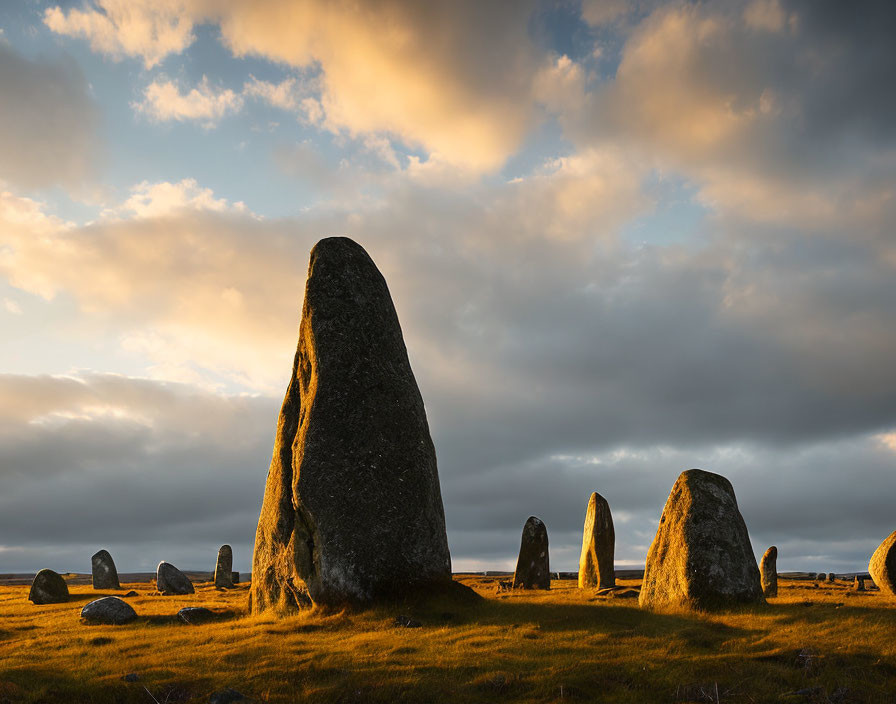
[{"x": 623, "y": 238}]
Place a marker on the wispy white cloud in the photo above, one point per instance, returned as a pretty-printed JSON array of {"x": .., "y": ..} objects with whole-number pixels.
[{"x": 164, "y": 100}]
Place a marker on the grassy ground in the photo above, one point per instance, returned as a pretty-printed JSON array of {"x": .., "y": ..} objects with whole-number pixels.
[{"x": 827, "y": 642}]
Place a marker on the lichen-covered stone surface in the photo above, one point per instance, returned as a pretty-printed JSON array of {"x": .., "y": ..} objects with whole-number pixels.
[
  {"x": 596, "y": 569},
  {"x": 701, "y": 557},
  {"x": 768, "y": 571},
  {"x": 352, "y": 510},
  {"x": 48, "y": 587},
  {"x": 109, "y": 610},
  {"x": 882, "y": 567},
  {"x": 170, "y": 580},
  {"x": 533, "y": 568},
  {"x": 224, "y": 568},
  {"x": 102, "y": 567}
]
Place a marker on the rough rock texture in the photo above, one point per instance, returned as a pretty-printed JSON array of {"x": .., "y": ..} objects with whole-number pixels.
[
  {"x": 352, "y": 510},
  {"x": 194, "y": 615},
  {"x": 882, "y": 567},
  {"x": 768, "y": 569},
  {"x": 109, "y": 609},
  {"x": 596, "y": 569},
  {"x": 701, "y": 557},
  {"x": 859, "y": 584},
  {"x": 105, "y": 576},
  {"x": 533, "y": 570},
  {"x": 170, "y": 580},
  {"x": 224, "y": 568},
  {"x": 832, "y": 577},
  {"x": 48, "y": 587}
]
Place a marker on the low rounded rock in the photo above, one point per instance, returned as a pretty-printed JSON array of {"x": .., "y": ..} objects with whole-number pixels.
[
  {"x": 110, "y": 610},
  {"x": 48, "y": 587}
]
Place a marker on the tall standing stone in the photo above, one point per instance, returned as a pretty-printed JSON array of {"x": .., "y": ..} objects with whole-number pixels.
[
  {"x": 352, "y": 510},
  {"x": 224, "y": 568},
  {"x": 48, "y": 587},
  {"x": 105, "y": 576},
  {"x": 170, "y": 580},
  {"x": 596, "y": 567},
  {"x": 533, "y": 568},
  {"x": 701, "y": 557},
  {"x": 768, "y": 569},
  {"x": 882, "y": 567}
]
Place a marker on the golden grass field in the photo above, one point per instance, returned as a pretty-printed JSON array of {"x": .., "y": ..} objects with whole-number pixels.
[{"x": 827, "y": 642}]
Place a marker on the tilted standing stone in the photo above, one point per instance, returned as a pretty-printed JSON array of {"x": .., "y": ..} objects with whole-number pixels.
[
  {"x": 701, "y": 557},
  {"x": 882, "y": 567},
  {"x": 224, "y": 568},
  {"x": 48, "y": 587},
  {"x": 768, "y": 569},
  {"x": 352, "y": 509},
  {"x": 533, "y": 569},
  {"x": 105, "y": 576},
  {"x": 596, "y": 568},
  {"x": 170, "y": 580}
]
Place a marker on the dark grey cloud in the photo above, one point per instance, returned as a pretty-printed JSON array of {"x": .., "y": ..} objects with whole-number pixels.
[{"x": 48, "y": 122}]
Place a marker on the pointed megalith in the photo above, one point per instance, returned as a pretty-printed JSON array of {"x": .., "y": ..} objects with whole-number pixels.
[
  {"x": 170, "y": 580},
  {"x": 533, "y": 568},
  {"x": 598, "y": 546},
  {"x": 48, "y": 587},
  {"x": 882, "y": 567},
  {"x": 224, "y": 568},
  {"x": 768, "y": 570},
  {"x": 105, "y": 576},
  {"x": 352, "y": 509},
  {"x": 701, "y": 557}
]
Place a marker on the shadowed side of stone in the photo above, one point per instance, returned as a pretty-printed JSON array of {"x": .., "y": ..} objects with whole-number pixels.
[
  {"x": 701, "y": 557},
  {"x": 352, "y": 510},
  {"x": 533, "y": 569},
  {"x": 596, "y": 568},
  {"x": 103, "y": 571},
  {"x": 882, "y": 566},
  {"x": 48, "y": 587},
  {"x": 224, "y": 568},
  {"x": 170, "y": 580},
  {"x": 768, "y": 570}
]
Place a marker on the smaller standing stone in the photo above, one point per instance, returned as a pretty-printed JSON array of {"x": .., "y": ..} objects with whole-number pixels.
[
  {"x": 768, "y": 571},
  {"x": 820, "y": 577},
  {"x": 105, "y": 576},
  {"x": 596, "y": 569},
  {"x": 224, "y": 568},
  {"x": 533, "y": 565},
  {"x": 109, "y": 609},
  {"x": 832, "y": 577},
  {"x": 883, "y": 566},
  {"x": 48, "y": 587},
  {"x": 170, "y": 580},
  {"x": 859, "y": 584},
  {"x": 235, "y": 577}
]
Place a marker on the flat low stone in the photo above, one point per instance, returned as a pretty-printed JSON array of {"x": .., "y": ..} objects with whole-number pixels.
[
  {"x": 701, "y": 557},
  {"x": 533, "y": 569},
  {"x": 882, "y": 566},
  {"x": 105, "y": 576},
  {"x": 130, "y": 594},
  {"x": 109, "y": 609},
  {"x": 170, "y": 580},
  {"x": 48, "y": 587},
  {"x": 768, "y": 570},
  {"x": 195, "y": 615}
]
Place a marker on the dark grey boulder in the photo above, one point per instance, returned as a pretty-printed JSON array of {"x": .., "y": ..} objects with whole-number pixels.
[
  {"x": 832, "y": 577},
  {"x": 195, "y": 615},
  {"x": 352, "y": 510},
  {"x": 821, "y": 577},
  {"x": 768, "y": 570},
  {"x": 596, "y": 568},
  {"x": 105, "y": 576},
  {"x": 533, "y": 570},
  {"x": 701, "y": 557},
  {"x": 170, "y": 580},
  {"x": 235, "y": 577},
  {"x": 48, "y": 587},
  {"x": 882, "y": 566},
  {"x": 224, "y": 568},
  {"x": 109, "y": 609}
]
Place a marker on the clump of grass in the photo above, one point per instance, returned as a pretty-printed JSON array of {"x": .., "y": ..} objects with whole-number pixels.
[{"x": 556, "y": 646}]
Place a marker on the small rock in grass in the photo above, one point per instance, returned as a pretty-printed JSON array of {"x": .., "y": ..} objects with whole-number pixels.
[
  {"x": 407, "y": 622},
  {"x": 195, "y": 615},
  {"x": 110, "y": 610},
  {"x": 131, "y": 593}
]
